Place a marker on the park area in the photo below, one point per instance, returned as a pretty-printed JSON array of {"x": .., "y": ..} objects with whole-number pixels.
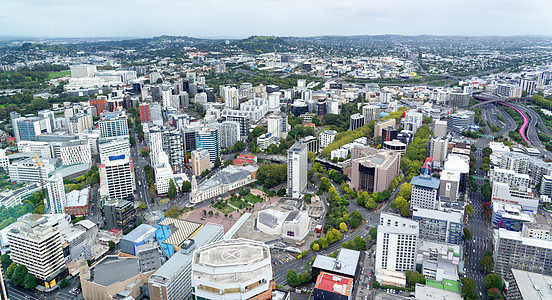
[{"x": 228, "y": 210}]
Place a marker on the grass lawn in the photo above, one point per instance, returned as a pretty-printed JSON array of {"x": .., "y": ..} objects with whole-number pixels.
[
  {"x": 253, "y": 199},
  {"x": 53, "y": 75},
  {"x": 164, "y": 200},
  {"x": 226, "y": 209},
  {"x": 237, "y": 203}
]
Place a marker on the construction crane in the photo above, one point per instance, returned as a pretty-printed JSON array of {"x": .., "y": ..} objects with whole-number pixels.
[{"x": 38, "y": 161}]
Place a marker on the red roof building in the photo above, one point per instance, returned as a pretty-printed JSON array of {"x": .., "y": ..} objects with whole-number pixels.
[{"x": 331, "y": 286}]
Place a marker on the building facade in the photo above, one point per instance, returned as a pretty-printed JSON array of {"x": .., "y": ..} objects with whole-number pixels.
[
  {"x": 297, "y": 169},
  {"x": 56, "y": 194},
  {"x": 397, "y": 243}
]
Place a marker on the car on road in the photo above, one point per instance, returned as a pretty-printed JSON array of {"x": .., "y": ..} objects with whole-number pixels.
[
  {"x": 473, "y": 250},
  {"x": 367, "y": 227},
  {"x": 473, "y": 267}
]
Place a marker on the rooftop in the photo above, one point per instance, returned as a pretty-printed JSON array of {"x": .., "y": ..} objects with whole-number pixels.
[
  {"x": 180, "y": 230},
  {"x": 345, "y": 263},
  {"x": 447, "y": 285},
  {"x": 183, "y": 258},
  {"x": 428, "y": 292},
  {"x": 228, "y": 253},
  {"x": 334, "y": 283},
  {"x": 112, "y": 270},
  {"x": 139, "y": 233},
  {"x": 428, "y": 182},
  {"x": 77, "y": 198},
  {"x": 532, "y": 285}
]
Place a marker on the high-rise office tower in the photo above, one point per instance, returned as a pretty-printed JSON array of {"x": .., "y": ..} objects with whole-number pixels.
[
  {"x": 209, "y": 139},
  {"x": 113, "y": 124},
  {"x": 117, "y": 178},
  {"x": 56, "y": 194},
  {"x": 397, "y": 243},
  {"x": 297, "y": 169}
]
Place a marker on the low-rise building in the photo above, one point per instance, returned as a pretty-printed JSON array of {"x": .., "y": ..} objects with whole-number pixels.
[
  {"x": 78, "y": 203},
  {"x": 228, "y": 179},
  {"x": 119, "y": 214},
  {"x": 331, "y": 286},
  {"x": 510, "y": 216},
  {"x": 527, "y": 285},
  {"x": 200, "y": 161}
]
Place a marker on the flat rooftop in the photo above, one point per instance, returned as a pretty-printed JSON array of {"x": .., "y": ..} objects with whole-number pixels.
[
  {"x": 334, "y": 283},
  {"x": 231, "y": 253},
  {"x": 533, "y": 285},
  {"x": 113, "y": 270}
]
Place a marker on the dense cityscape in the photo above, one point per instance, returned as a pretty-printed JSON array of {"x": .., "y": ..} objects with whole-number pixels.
[{"x": 331, "y": 167}]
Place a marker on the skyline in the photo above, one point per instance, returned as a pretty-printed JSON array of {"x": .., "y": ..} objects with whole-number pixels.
[{"x": 243, "y": 18}]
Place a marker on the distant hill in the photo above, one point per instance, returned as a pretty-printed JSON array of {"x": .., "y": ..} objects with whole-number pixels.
[{"x": 262, "y": 44}]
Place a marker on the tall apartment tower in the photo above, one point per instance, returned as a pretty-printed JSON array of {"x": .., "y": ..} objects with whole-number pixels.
[
  {"x": 275, "y": 125},
  {"x": 437, "y": 149},
  {"x": 297, "y": 169},
  {"x": 200, "y": 161},
  {"x": 208, "y": 138},
  {"x": 371, "y": 113},
  {"x": 113, "y": 124},
  {"x": 35, "y": 242},
  {"x": 117, "y": 178},
  {"x": 440, "y": 129},
  {"x": 356, "y": 121},
  {"x": 230, "y": 96},
  {"x": 397, "y": 243},
  {"x": 56, "y": 194}
]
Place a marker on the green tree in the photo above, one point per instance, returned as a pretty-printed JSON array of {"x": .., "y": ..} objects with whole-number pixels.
[
  {"x": 315, "y": 247},
  {"x": 469, "y": 289},
  {"x": 186, "y": 186},
  {"x": 486, "y": 191},
  {"x": 145, "y": 152},
  {"x": 484, "y": 168},
  {"x": 30, "y": 281},
  {"x": 10, "y": 270},
  {"x": 172, "y": 189},
  {"x": 311, "y": 156},
  {"x": 467, "y": 234},
  {"x": 373, "y": 233},
  {"x": 228, "y": 162},
  {"x": 405, "y": 211},
  {"x": 304, "y": 277},
  {"x": 65, "y": 282},
  {"x": 217, "y": 162},
  {"x": 19, "y": 274},
  {"x": 428, "y": 120},
  {"x": 292, "y": 278},
  {"x": 6, "y": 261},
  {"x": 325, "y": 184},
  {"x": 486, "y": 264},
  {"x": 406, "y": 190},
  {"x": 142, "y": 206},
  {"x": 398, "y": 203},
  {"x": 468, "y": 210},
  {"x": 494, "y": 281},
  {"x": 343, "y": 227},
  {"x": 414, "y": 277},
  {"x": 111, "y": 245}
]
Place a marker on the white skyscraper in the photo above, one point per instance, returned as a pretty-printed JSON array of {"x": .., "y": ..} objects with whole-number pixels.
[
  {"x": 275, "y": 125},
  {"x": 56, "y": 194},
  {"x": 117, "y": 178},
  {"x": 397, "y": 243},
  {"x": 274, "y": 101},
  {"x": 230, "y": 95},
  {"x": 297, "y": 169}
]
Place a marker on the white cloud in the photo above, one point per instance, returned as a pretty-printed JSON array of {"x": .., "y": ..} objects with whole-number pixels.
[{"x": 241, "y": 18}]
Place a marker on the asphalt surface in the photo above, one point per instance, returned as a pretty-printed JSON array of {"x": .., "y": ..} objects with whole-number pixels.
[{"x": 479, "y": 227}]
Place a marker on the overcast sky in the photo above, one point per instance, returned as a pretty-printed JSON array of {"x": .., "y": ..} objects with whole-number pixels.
[{"x": 242, "y": 18}]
